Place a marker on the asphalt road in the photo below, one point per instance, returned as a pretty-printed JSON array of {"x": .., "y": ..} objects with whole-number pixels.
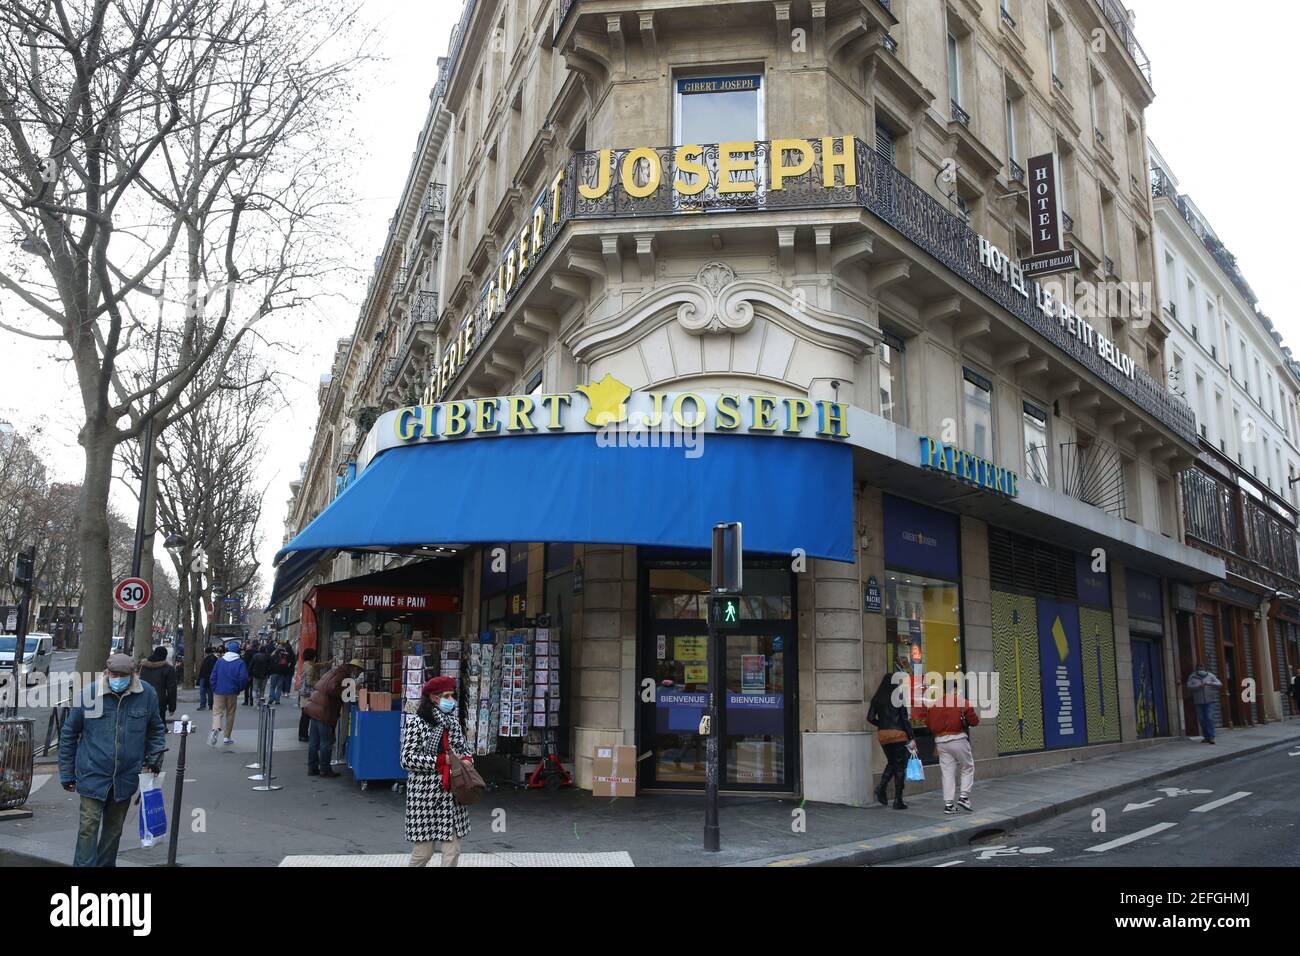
[
  {"x": 62, "y": 661},
  {"x": 1242, "y": 812}
]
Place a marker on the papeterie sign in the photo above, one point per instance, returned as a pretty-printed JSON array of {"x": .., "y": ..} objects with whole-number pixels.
[{"x": 969, "y": 468}]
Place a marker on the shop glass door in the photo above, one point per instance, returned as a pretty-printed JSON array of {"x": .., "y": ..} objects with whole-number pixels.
[{"x": 756, "y": 712}]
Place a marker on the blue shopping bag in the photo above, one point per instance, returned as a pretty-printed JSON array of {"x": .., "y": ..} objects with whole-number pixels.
[
  {"x": 914, "y": 769},
  {"x": 153, "y": 815}
]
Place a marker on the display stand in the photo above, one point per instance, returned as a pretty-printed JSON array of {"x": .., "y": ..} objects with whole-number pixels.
[{"x": 375, "y": 746}]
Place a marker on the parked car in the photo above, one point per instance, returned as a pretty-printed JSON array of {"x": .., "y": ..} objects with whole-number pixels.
[{"x": 38, "y": 649}]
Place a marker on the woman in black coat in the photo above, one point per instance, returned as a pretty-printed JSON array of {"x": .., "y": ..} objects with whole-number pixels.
[
  {"x": 894, "y": 732},
  {"x": 161, "y": 676}
]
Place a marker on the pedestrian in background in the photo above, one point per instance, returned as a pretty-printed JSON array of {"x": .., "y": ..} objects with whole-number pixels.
[
  {"x": 894, "y": 734},
  {"x": 1295, "y": 692},
  {"x": 229, "y": 677},
  {"x": 429, "y": 743},
  {"x": 247, "y": 658},
  {"x": 161, "y": 676},
  {"x": 1204, "y": 687},
  {"x": 950, "y": 722},
  {"x": 310, "y": 675},
  {"x": 205, "y": 672},
  {"x": 282, "y": 663},
  {"x": 323, "y": 708},
  {"x": 113, "y": 733},
  {"x": 260, "y": 669}
]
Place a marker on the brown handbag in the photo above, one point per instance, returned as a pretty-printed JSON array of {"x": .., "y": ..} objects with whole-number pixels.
[
  {"x": 464, "y": 782},
  {"x": 890, "y": 736}
]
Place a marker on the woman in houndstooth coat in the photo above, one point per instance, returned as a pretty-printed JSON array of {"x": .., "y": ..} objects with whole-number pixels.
[{"x": 433, "y": 815}]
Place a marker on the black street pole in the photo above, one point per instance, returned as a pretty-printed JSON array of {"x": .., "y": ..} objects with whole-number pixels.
[
  {"x": 712, "y": 832},
  {"x": 20, "y": 639},
  {"x": 177, "y": 791},
  {"x": 146, "y": 440}
]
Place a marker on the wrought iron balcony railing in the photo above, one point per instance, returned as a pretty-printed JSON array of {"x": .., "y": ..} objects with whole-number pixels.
[
  {"x": 1118, "y": 19},
  {"x": 1017, "y": 174},
  {"x": 879, "y": 187},
  {"x": 1163, "y": 187},
  {"x": 1057, "y": 82},
  {"x": 960, "y": 115},
  {"x": 1006, "y": 15},
  {"x": 1255, "y": 541},
  {"x": 1108, "y": 265},
  {"x": 1067, "y": 221},
  {"x": 890, "y": 44}
]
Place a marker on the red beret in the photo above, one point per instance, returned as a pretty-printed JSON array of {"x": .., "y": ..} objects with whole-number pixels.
[{"x": 438, "y": 686}]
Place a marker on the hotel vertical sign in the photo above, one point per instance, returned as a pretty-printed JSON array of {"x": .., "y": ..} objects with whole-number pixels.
[{"x": 1048, "y": 256}]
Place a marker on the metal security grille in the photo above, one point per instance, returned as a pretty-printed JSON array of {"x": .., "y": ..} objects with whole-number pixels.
[
  {"x": 1023, "y": 565},
  {"x": 1247, "y": 644}
]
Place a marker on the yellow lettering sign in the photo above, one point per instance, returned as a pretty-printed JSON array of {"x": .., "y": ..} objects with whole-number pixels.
[
  {"x": 780, "y": 171},
  {"x": 736, "y": 158}
]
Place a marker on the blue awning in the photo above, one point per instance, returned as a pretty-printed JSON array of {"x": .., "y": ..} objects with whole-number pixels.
[{"x": 788, "y": 492}]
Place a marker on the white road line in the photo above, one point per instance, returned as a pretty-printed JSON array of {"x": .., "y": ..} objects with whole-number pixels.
[
  {"x": 1140, "y": 835},
  {"x": 1213, "y": 804},
  {"x": 951, "y": 863}
]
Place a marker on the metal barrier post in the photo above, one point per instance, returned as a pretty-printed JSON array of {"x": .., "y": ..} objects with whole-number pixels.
[
  {"x": 267, "y": 776},
  {"x": 261, "y": 736},
  {"x": 177, "y": 791}
]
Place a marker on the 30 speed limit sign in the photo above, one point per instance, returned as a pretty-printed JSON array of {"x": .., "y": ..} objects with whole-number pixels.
[{"x": 131, "y": 594}]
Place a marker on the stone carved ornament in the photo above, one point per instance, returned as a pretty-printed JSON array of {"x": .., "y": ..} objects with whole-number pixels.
[{"x": 715, "y": 310}]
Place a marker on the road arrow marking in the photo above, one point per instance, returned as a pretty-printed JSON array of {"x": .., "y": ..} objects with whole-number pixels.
[
  {"x": 1294, "y": 753},
  {"x": 1207, "y": 807},
  {"x": 1140, "y": 835},
  {"x": 1179, "y": 792},
  {"x": 1142, "y": 806}
]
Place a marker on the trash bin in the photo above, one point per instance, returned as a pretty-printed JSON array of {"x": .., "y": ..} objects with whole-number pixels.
[{"x": 16, "y": 754}]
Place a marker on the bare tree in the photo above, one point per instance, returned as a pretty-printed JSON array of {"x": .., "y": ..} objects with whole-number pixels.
[
  {"x": 209, "y": 486},
  {"x": 135, "y": 131}
]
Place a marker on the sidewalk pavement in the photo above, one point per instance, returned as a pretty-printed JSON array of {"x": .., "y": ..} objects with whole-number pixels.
[{"x": 332, "y": 822}]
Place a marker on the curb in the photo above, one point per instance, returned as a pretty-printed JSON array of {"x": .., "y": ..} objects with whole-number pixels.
[{"x": 929, "y": 839}]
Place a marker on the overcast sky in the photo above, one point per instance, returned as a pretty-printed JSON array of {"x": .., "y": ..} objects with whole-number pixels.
[{"x": 1222, "y": 76}]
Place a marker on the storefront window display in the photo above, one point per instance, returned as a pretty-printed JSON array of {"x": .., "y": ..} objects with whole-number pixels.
[{"x": 922, "y": 598}]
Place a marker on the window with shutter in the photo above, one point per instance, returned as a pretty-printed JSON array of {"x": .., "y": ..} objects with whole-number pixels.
[{"x": 885, "y": 144}]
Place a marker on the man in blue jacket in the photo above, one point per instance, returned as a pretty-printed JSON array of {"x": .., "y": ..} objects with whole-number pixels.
[
  {"x": 106, "y": 740},
  {"x": 228, "y": 679}
]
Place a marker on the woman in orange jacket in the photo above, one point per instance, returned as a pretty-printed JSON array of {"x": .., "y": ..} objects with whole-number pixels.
[{"x": 949, "y": 722}]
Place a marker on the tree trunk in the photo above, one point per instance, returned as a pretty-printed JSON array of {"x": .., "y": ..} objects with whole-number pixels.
[
  {"x": 145, "y": 616},
  {"x": 92, "y": 538}
]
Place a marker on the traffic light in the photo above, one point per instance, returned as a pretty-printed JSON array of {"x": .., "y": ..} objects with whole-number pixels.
[
  {"x": 724, "y": 610},
  {"x": 23, "y": 569}
]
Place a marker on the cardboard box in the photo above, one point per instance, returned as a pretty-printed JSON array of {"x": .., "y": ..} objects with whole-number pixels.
[
  {"x": 374, "y": 700},
  {"x": 613, "y": 771}
]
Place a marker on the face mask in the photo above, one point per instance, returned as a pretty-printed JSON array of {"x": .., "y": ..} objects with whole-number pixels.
[
  {"x": 446, "y": 705},
  {"x": 119, "y": 684}
]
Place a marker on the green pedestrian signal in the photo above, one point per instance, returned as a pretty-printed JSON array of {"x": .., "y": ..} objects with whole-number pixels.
[{"x": 725, "y": 611}]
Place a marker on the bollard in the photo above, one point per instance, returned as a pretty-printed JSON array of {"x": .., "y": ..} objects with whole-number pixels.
[
  {"x": 177, "y": 791},
  {"x": 265, "y": 743},
  {"x": 267, "y": 776},
  {"x": 261, "y": 736}
]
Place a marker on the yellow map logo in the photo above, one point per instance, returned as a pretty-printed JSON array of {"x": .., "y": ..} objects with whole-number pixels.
[
  {"x": 606, "y": 399},
  {"x": 1062, "y": 645}
]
